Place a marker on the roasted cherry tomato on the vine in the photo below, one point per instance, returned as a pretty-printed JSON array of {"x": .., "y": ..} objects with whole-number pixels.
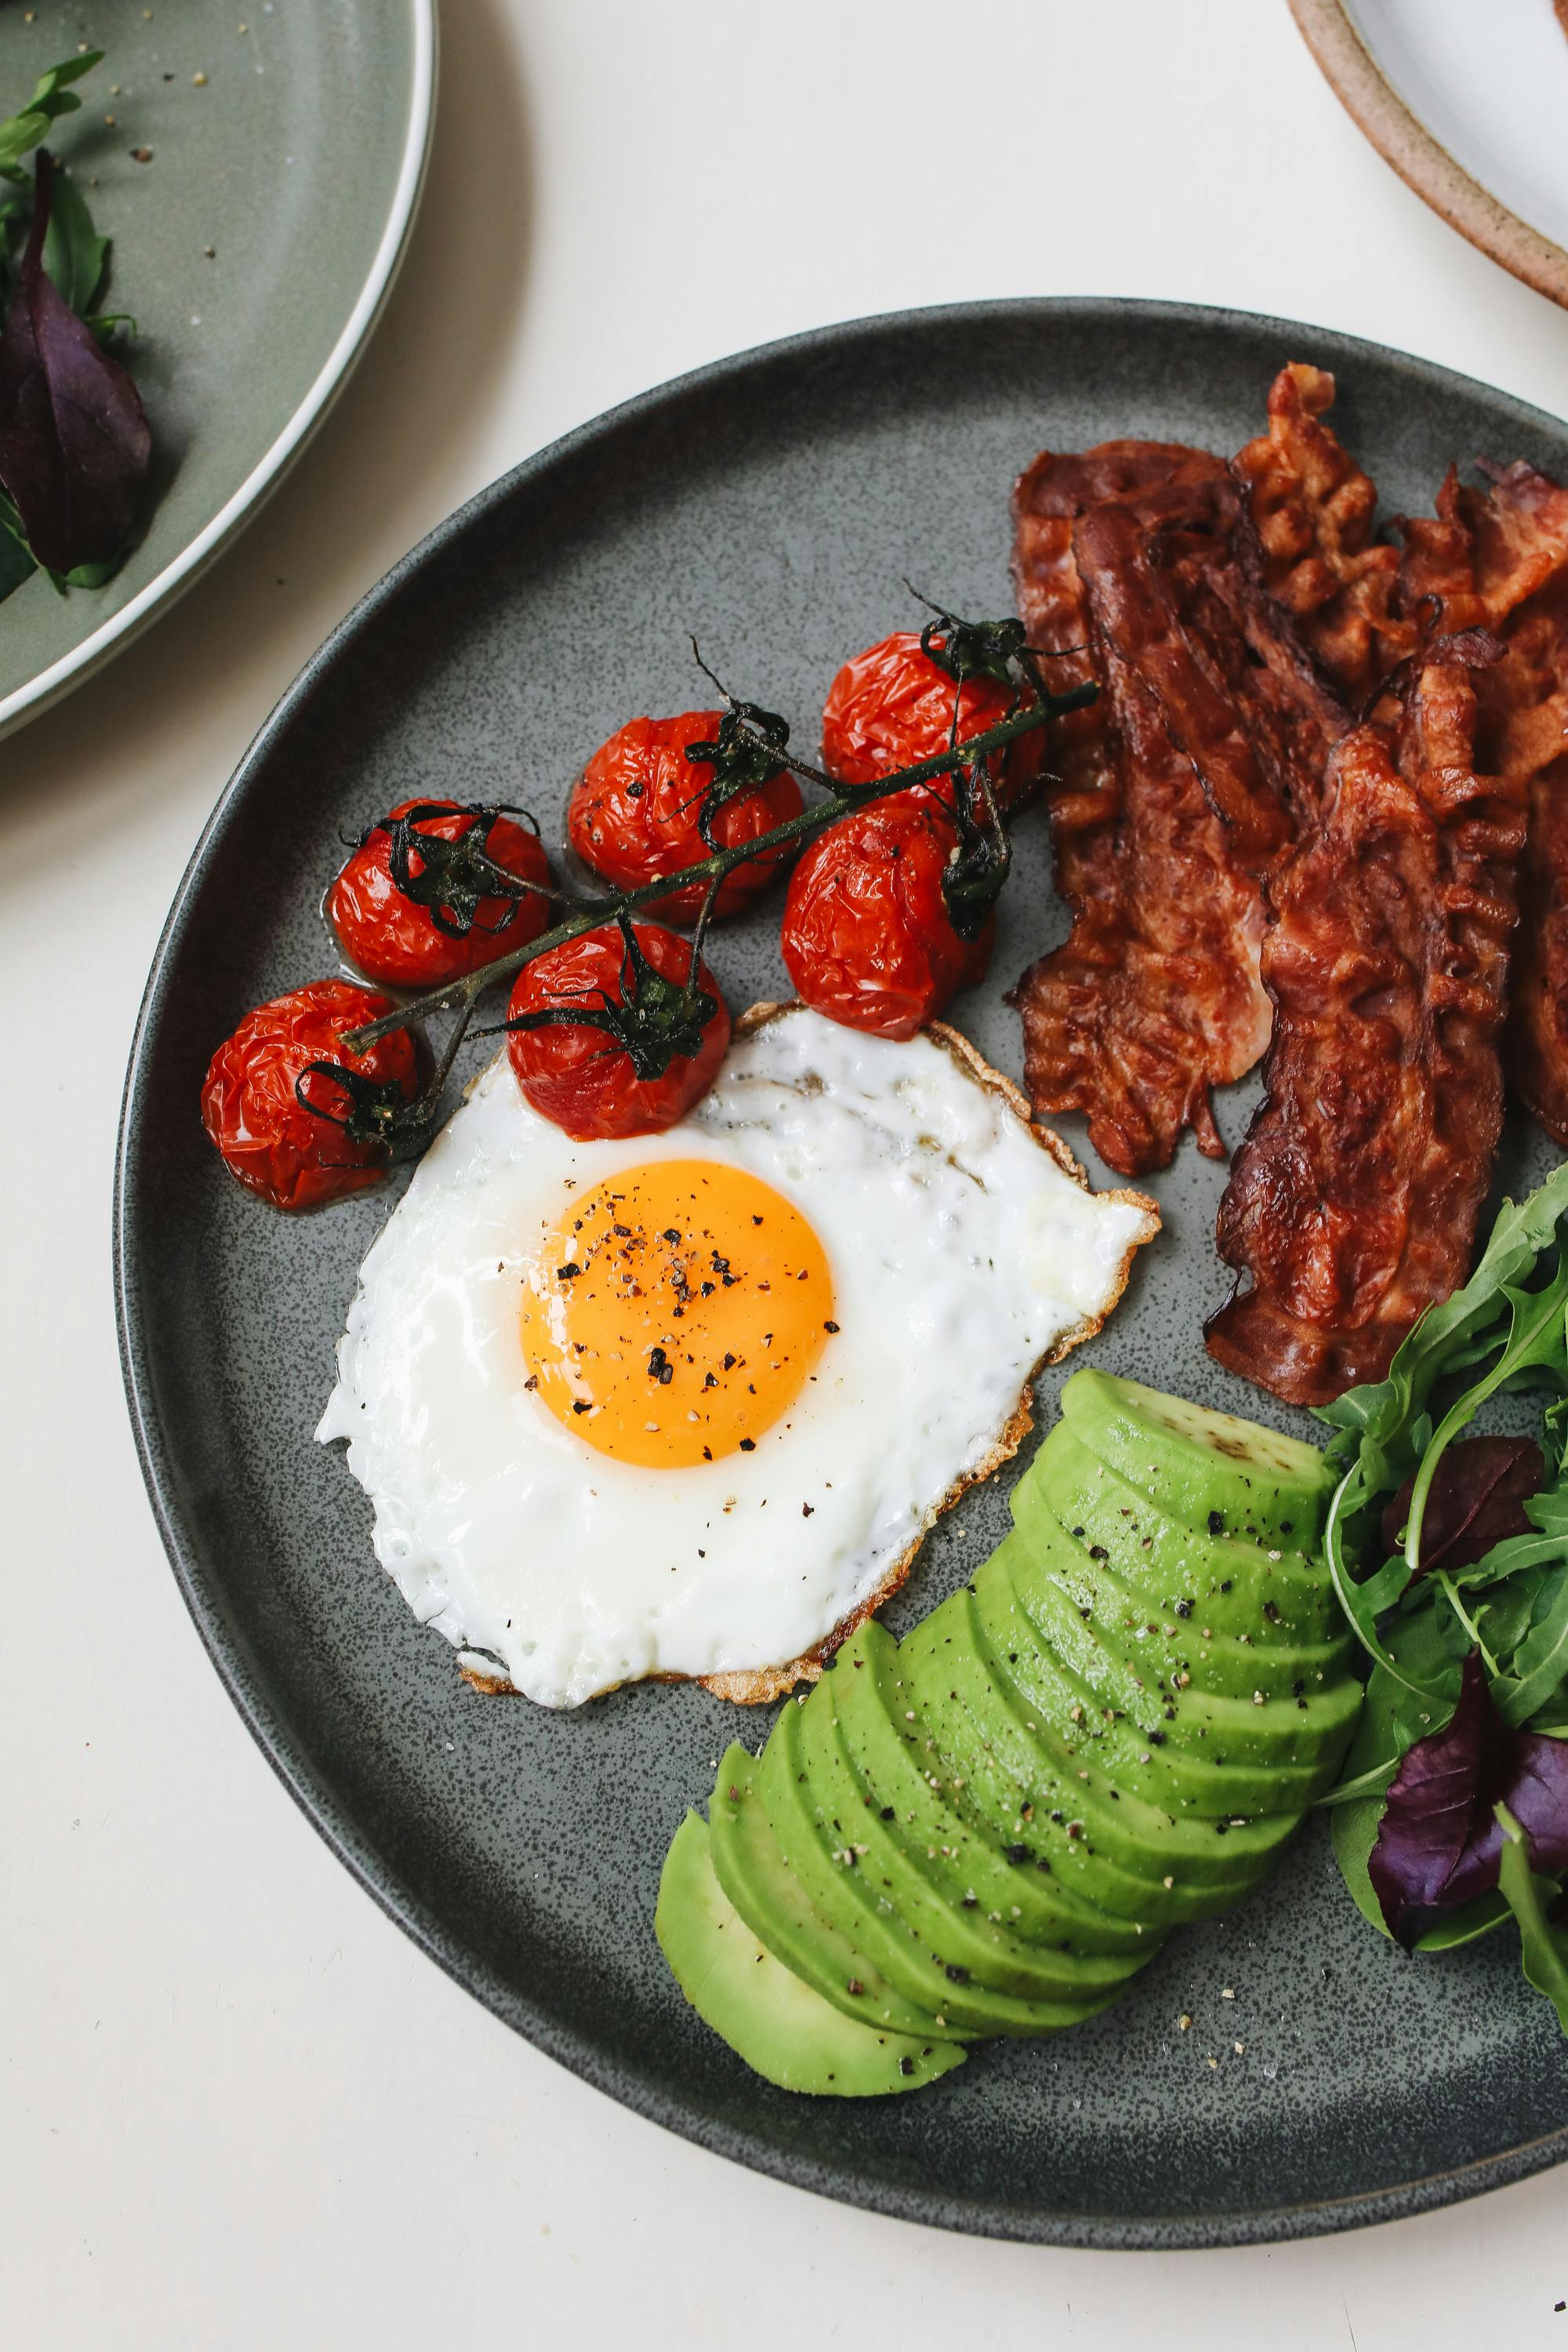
[
  {"x": 892, "y": 705},
  {"x": 636, "y": 811},
  {"x": 410, "y": 906},
  {"x": 867, "y": 938},
  {"x": 297, "y": 1154},
  {"x": 612, "y": 1034}
]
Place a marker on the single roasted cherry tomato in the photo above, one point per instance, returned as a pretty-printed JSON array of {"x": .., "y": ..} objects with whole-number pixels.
[
  {"x": 635, "y": 810},
  {"x": 892, "y": 705},
  {"x": 867, "y": 938},
  {"x": 613, "y": 1039},
  {"x": 294, "y": 1156},
  {"x": 410, "y": 906}
]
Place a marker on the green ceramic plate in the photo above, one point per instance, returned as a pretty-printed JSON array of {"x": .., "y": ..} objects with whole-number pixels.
[{"x": 298, "y": 161}]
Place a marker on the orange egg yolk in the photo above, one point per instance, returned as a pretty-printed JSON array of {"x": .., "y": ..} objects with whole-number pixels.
[{"x": 675, "y": 1313}]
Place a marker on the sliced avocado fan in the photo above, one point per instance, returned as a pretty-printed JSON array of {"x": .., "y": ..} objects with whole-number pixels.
[{"x": 988, "y": 1829}]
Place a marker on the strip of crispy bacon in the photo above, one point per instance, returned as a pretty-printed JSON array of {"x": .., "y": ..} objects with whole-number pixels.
[
  {"x": 1314, "y": 509},
  {"x": 1173, "y": 792},
  {"x": 1498, "y": 558},
  {"x": 1353, "y": 1203},
  {"x": 1175, "y": 583}
]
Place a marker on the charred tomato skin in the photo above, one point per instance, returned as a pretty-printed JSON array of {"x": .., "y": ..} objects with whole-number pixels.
[
  {"x": 892, "y": 705},
  {"x": 634, "y": 810},
  {"x": 393, "y": 942},
  {"x": 867, "y": 936},
  {"x": 264, "y": 1135},
  {"x": 580, "y": 1078}
]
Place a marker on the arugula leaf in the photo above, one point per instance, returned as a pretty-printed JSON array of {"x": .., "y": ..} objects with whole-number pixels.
[
  {"x": 74, "y": 254},
  {"x": 1389, "y": 1584},
  {"x": 1372, "y": 1783},
  {"x": 1548, "y": 1511},
  {"x": 1504, "y": 1613},
  {"x": 1537, "y": 1337},
  {"x": 1364, "y": 1602},
  {"x": 1380, "y": 1409},
  {"x": 1384, "y": 1436},
  {"x": 1545, "y": 1948},
  {"x": 22, "y": 132},
  {"x": 1540, "y": 1660}
]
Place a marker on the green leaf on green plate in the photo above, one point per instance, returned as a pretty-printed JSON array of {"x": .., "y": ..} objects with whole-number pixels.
[
  {"x": 17, "y": 561},
  {"x": 21, "y": 133},
  {"x": 74, "y": 253},
  {"x": 17, "y": 564}
]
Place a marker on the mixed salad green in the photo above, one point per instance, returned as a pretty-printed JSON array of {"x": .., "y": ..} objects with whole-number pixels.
[{"x": 1450, "y": 1554}]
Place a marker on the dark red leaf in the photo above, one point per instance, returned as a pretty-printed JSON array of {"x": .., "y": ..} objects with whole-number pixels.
[
  {"x": 1438, "y": 1841},
  {"x": 1476, "y": 1500},
  {"x": 1537, "y": 1797},
  {"x": 74, "y": 439}
]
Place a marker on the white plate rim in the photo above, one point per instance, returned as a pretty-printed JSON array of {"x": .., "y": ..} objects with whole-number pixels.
[{"x": 1422, "y": 162}]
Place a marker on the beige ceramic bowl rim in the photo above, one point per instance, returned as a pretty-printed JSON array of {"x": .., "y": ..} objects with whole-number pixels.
[
  {"x": 49, "y": 685},
  {"x": 1421, "y": 162}
]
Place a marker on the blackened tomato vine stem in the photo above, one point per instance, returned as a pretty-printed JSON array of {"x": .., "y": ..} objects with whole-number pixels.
[{"x": 461, "y": 995}]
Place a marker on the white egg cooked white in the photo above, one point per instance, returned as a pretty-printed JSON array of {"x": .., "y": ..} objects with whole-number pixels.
[{"x": 960, "y": 1251}]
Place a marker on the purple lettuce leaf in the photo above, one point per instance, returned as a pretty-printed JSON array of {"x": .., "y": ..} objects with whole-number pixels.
[
  {"x": 1476, "y": 1500},
  {"x": 74, "y": 438},
  {"x": 1439, "y": 1843}
]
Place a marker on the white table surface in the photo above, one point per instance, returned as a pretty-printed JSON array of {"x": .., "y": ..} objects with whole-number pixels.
[{"x": 237, "y": 2107}]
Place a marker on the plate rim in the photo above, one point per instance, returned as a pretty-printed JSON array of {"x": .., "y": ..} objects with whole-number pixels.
[
  {"x": 620, "y": 2078},
  {"x": 47, "y": 686},
  {"x": 1422, "y": 162}
]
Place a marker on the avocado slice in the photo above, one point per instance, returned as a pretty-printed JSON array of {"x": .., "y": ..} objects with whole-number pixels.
[
  {"x": 1201, "y": 1466},
  {"x": 761, "y": 1881},
  {"x": 1114, "y": 1851},
  {"x": 950, "y": 1924},
  {"x": 874, "y": 1961},
  {"x": 1171, "y": 1658},
  {"x": 987, "y": 1829},
  {"x": 1206, "y": 1606},
  {"x": 865, "y": 1898},
  {"x": 1131, "y": 1754},
  {"x": 1229, "y": 1576},
  {"x": 964, "y": 1859},
  {"x": 1300, "y": 1738},
  {"x": 861, "y": 1913},
  {"x": 994, "y": 1773},
  {"x": 1081, "y": 1758},
  {"x": 783, "y": 2029}
]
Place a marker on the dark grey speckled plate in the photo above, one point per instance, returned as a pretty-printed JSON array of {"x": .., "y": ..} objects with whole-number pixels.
[{"x": 772, "y": 505}]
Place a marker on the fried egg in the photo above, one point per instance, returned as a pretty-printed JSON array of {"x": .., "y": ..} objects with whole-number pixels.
[{"x": 685, "y": 1404}]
